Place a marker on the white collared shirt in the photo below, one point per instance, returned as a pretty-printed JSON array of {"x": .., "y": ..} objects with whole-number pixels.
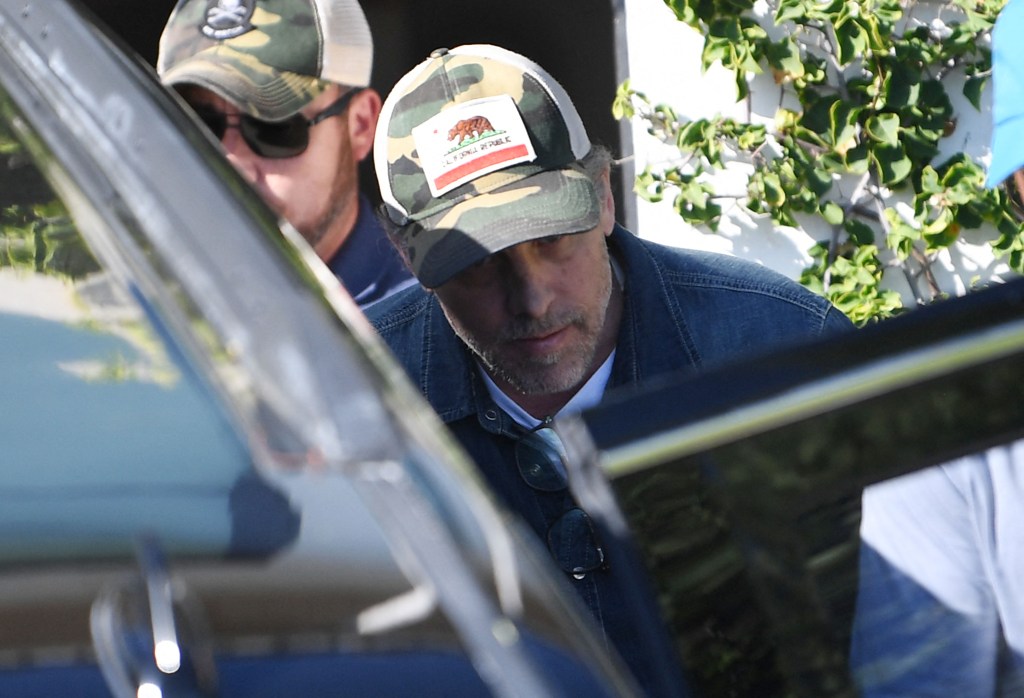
[{"x": 589, "y": 394}]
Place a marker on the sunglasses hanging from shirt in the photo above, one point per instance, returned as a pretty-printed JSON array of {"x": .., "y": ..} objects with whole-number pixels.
[
  {"x": 271, "y": 139},
  {"x": 572, "y": 539}
]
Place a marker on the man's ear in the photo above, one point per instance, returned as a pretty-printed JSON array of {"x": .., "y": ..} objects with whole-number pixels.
[
  {"x": 363, "y": 111},
  {"x": 604, "y": 192}
]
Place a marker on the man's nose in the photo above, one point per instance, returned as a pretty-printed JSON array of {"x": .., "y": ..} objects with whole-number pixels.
[
  {"x": 528, "y": 282},
  {"x": 239, "y": 154}
]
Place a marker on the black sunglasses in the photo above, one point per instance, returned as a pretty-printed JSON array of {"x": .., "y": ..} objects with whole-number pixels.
[
  {"x": 572, "y": 540},
  {"x": 271, "y": 139}
]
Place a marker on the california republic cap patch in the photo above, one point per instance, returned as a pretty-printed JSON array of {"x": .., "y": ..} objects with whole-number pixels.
[{"x": 470, "y": 140}]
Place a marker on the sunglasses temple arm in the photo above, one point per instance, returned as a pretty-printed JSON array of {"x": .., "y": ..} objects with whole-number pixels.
[{"x": 339, "y": 105}]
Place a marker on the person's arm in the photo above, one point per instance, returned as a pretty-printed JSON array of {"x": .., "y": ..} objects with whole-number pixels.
[{"x": 926, "y": 622}]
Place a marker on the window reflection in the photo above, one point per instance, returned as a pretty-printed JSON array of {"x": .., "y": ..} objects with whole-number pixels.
[
  {"x": 105, "y": 431},
  {"x": 36, "y": 232}
]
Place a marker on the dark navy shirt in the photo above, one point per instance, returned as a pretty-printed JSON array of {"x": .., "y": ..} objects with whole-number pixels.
[{"x": 367, "y": 264}]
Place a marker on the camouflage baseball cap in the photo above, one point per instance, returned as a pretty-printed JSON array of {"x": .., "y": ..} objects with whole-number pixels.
[
  {"x": 269, "y": 58},
  {"x": 477, "y": 150}
]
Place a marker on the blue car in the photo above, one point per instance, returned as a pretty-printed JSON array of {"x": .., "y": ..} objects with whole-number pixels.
[{"x": 213, "y": 479}]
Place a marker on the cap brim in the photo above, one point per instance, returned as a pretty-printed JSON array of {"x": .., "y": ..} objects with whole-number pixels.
[
  {"x": 553, "y": 202},
  {"x": 267, "y": 94},
  {"x": 1007, "y": 150}
]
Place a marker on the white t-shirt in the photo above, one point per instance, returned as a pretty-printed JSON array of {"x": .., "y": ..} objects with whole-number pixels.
[{"x": 941, "y": 601}]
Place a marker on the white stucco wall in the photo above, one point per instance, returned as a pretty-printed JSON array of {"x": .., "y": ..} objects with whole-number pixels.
[{"x": 663, "y": 61}]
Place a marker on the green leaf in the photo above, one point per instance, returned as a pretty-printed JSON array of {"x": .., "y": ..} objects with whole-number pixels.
[
  {"x": 818, "y": 181},
  {"x": 901, "y": 236},
  {"x": 774, "y": 194},
  {"x": 753, "y": 33},
  {"x": 965, "y": 175},
  {"x": 648, "y": 186},
  {"x": 843, "y": 126},
  {"x": 685, "y": 11},
  {"x": 694, "y": 204},
  {"x": 832, "y": 213},
  {"x": 816, "y": 115},
  {"x": 814, "y": 72},
  {"x": 884, "y": 128},
  {"x": 784, "y": 58},
  {"x": 973, "y": 89},
  {"x": 860, "y": 233},
  {"x": 858, "y": 159},
  {"x": 875, "y": 32},
  {"x": 746, "y": 60},
  {"x": 888, "y": 12},
  {"x": 941, "y": 222},
  {"x": 751, "y": 138},
  {"x": 943, "y": 235},
  {"x": 892, "y": 163},
  {"x": 970, "y": 215},
  {"x": 622, "y": 106},
  {"x": 920, "y": 144},
  {"x": 791, "y": 11},
  {"x": 833, "y": 163},
  {"x": 930, "y": 183},
  {"x": 853, "y": 41},
  {"x": 715, "y": 51},
  {"x": 829, "y": 11},
  {"x": 691, "y": 135},
  {"x": 933, "y": 108},
  {"x": 901, "y": 88},
  {"x": 785, "y": 120},
  {"x": 742, "y": 86},
  {"x": 727, "y": 28}
]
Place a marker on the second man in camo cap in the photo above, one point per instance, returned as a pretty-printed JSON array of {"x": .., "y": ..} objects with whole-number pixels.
[{"x": 284, "y": 85}]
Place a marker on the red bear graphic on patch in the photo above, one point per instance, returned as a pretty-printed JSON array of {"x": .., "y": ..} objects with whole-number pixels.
[{"x": 472, "y": 127}]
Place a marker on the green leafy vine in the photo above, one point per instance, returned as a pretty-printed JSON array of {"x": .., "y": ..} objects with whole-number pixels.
[{"x": 871, "y": 79}]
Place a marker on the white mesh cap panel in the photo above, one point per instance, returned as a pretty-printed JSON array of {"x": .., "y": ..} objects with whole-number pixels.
[{"x": 348, "y": 45}]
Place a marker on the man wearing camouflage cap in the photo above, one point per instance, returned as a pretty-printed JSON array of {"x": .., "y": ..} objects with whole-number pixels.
[
  {"x": 283, "y": 84},
  {"x": 534, "y": 302}
]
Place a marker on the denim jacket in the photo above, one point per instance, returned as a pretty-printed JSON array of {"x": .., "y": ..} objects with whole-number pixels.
[{"x": 683, "y": 311}]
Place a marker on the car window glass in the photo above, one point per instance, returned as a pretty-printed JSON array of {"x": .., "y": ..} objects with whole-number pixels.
[
  {"x": 105, "y": 430},
  {"x": 775, "y": 574}
]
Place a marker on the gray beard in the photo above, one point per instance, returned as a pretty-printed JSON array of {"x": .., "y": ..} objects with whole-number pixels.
[{"x": 525, "y": 377}]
